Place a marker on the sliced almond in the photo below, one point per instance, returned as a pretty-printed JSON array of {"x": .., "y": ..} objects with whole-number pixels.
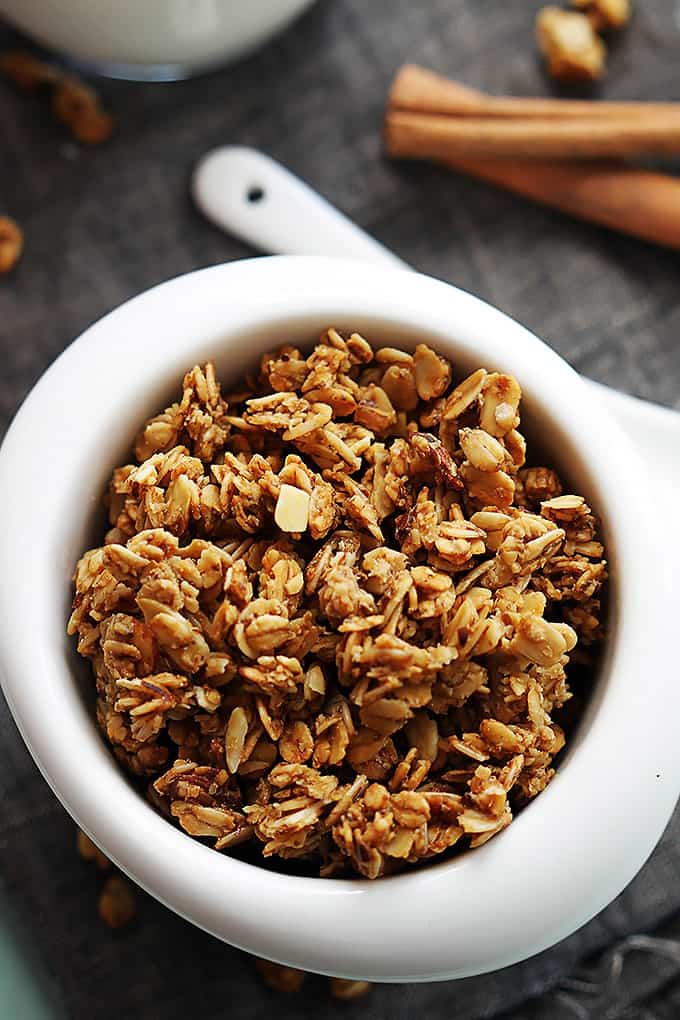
[
  {"x": 235, "y": 738},
  {"x": 292, "y": 509}
]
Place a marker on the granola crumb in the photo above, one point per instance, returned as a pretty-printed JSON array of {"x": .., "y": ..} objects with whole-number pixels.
[
  {"x": 280, "y": 978},
  {"x": 336, "y": 615},
  {"x": 73, "y": 103},
  {"x": 342, "y": 988},
  {"x": 117, "y": 902},
  {"x": 11, "y": 243},
  {"x": 26, "y": 71},
  {"x": 572, "y": 49},
  {"x": 89, "y": 851},
  {"x": 605, "y": 15},
  {"x": 77, "y": 106}
]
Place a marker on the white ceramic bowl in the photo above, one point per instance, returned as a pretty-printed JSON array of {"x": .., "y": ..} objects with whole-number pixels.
[
  {"x": 151, "y": 38},
  {"x": 568, "y": 853}
]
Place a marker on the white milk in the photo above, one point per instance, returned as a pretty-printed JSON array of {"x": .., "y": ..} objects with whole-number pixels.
[{"x": 171, "y": 36}]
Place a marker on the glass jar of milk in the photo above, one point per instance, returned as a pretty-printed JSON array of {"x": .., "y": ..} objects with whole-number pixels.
[{"x": 151, "y": 39}]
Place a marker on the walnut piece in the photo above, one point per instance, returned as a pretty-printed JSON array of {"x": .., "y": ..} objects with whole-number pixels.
[{"x": 333, "y": 619}]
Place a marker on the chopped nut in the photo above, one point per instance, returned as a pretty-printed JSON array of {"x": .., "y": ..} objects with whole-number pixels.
[
  {"x": 117, "y": 902},
  {"x": 235, "y": 738},
  {"x": 292, "y": 509},
  {"x": 11, "y": 244},
  {"x": 572, "y": 49},
  {"x": 540, "y": 484}
]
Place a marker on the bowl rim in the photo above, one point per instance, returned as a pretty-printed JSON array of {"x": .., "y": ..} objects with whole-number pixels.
[{"x": 573, "y": 850}]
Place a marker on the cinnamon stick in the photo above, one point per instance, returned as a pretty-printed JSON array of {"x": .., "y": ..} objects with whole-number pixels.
[
  {"x": 417, "y": 90},
  {"x": 631, "y": 200},
  {"x": 438, "y": 136}
]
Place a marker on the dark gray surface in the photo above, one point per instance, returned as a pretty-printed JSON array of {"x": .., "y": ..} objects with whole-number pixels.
[{"x": 103, "y": 224}]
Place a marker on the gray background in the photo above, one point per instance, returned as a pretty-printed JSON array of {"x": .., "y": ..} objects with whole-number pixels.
[{"x": 103, "y": 224}]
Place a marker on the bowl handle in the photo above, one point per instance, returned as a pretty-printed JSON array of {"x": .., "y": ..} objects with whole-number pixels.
[{"x": 257, "y": 200}]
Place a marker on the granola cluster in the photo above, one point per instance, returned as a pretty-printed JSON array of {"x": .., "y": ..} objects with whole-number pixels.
[
  {"x": 333, "y": 617},
  {"x": 76, "y": 105},
  {"x": 570, "y": 39}
]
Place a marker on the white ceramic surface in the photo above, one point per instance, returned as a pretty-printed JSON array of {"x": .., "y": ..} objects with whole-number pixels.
[
  {"x": 185, "y": 35},
  {"x": 567, "y": 855}
]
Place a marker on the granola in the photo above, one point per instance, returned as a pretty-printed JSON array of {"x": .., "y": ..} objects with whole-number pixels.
[
  {"x": 569, "y": 39},
  {"x": 572, "y": 49},
  {"x": 337, "y": 616},
  {"x": 11, "y": 244},
  {"x": 117, "y": 902},
  {"x": 90, "y": 852},
  {"x": 73, "y": 103}
]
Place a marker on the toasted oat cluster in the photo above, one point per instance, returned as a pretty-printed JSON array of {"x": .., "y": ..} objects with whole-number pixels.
[
  {"x": 334, "y": 616},
  {"x": 572, "y": 49},
  {"x": 73, "y": 103},
  {"x": 569, "y": 39}
]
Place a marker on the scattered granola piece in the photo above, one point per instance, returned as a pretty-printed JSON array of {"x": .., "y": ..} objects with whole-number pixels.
[
  {"x": 432, "y": 373},
  {"x": 280, "y": 978},
  {"x": 117, "y": 902},
  {"x": 92, "y": 126},
  {"x": 89, "y": 851},
  {"x": 26, "y": 71},
  {"x": 77, "y": 106},
  {"x": 343, "y": 988},
  {"x": 11, "y": 243},
  {"x": 73, "y": 103},
  {"x": 605, "y": 15},
  {"x": 572, "y": 49}
]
